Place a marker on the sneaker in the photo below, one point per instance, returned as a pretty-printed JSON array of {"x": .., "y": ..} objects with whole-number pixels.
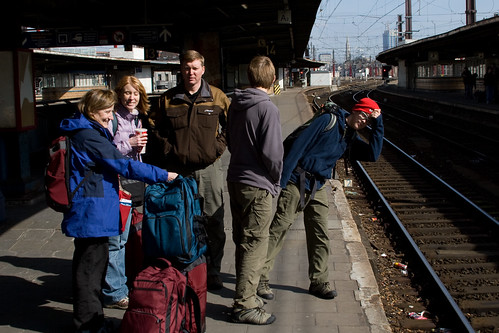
[
  {"x": 322, "y": 290},
  {"x": 264, "y": 290},
  {"x": 121, "y": 304},
  {"x": 214, "y": 282},
  {"x": 256, "y": 316}
]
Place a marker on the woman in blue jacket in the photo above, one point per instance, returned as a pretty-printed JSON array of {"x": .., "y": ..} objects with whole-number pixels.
[
  {"x": 94, "y": 215},
  {"x": 307, "y": 166}
]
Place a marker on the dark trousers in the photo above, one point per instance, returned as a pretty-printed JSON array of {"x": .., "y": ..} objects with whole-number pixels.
[{"x": 89, "y": 269}]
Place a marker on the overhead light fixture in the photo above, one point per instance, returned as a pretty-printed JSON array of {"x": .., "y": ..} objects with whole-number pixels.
[
  {"x": 258, "y": 24},
  {"x": 245, "y": 6}
]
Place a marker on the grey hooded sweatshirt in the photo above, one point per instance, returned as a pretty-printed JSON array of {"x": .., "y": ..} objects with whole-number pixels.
[{"x": 254, "y": 140}]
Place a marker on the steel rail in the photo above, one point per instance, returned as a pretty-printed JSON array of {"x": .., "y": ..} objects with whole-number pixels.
[
  {"x": 462, "y": 323},
  {"x": 467, "y": 201}
]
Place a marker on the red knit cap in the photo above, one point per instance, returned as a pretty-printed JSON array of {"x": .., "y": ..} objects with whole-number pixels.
[{"x": 365, "y": 105}]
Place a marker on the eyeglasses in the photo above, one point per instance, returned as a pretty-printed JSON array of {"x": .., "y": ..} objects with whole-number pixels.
[{"x": 364, "y": 116}]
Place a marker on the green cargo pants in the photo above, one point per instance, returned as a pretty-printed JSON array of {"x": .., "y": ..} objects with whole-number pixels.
[
  {"x": 251, "y": 209},
  {"x": 315, "y": 215}
]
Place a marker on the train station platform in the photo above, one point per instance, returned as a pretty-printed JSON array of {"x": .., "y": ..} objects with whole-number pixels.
[
  {"x": 453, "y": 99},
  {"x": 35, "y": 269}
]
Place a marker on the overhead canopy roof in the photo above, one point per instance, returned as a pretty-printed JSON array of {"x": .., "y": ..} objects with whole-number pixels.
[
  {"x": 477, "y": 40},
  {"x": 307, "y": 63},
  {"x": 279, "y": 28}
]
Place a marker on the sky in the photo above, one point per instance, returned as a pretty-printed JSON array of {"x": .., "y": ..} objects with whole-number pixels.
[{"x": 364, "y": 21}]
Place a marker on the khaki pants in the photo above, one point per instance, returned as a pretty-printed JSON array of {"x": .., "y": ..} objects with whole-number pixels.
[
  {"x": 211, "y": 186},
  {"x": 251, "y": 209},
  {"x": 315, "y": 217}
]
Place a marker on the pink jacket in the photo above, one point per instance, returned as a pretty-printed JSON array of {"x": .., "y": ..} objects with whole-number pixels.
[{"x": 124, "y": 131}]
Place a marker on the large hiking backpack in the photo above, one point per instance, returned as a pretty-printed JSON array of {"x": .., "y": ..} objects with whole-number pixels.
[
  {"x": 161, "y": 301},
  {"x": 173, "y": 221},
  {"x": 57, "y": 174},
  {"x": 196, "y": 273},
  {"x": 328, "y": 108}
]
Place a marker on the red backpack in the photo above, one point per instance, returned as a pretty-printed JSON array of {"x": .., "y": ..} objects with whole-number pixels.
[
  {"x": 161, "y": 301},
  {"x": 57, "y": 174}
]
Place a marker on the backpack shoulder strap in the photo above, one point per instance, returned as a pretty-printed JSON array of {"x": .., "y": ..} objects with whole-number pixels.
[
  {"x": 331, "y": 123},
  {"x": 191, "y": 294},
  {"x": 68, "y": 162},
  {"x": 115, "y": 124}
]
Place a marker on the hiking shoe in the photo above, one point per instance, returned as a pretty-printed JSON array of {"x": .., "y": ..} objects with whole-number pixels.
[
  {"x": 214, "y": 282},
  {"x": 263, "y": 290},
  {"x": 121, "y": 304},
  {"x": 260, "y": 302},
  {"x": 256, "y": 316},
  {"x": 322, "y": 290}
]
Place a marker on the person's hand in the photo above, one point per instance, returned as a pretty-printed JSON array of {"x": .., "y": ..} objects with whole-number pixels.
[
  {"x": 376, "y": 113},
  {"x": 172, "y": 176},
  {"x": 138, "y": 140}
]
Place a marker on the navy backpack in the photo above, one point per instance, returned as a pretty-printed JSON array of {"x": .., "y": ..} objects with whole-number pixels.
[{"x": 173, "y": 223}]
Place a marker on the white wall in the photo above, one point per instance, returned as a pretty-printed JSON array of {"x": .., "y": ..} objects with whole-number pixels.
[
  {"x": 119, "y": 52},
  {"x": 144, "y": 74},
  {"x": 280, "y": 77},
  {"x": 320, "y": 79}
]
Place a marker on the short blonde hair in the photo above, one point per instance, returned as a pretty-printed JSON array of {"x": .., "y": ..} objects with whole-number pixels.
[
  {"x": 261, "y": 72},
  {"x": 96, "y": 100},
  {"x": 190, "y": 56}
]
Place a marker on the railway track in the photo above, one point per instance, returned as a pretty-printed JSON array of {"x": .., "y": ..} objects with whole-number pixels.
[
  {"x": 450, "y": 243},
  {"x": 463, "y": 151}
]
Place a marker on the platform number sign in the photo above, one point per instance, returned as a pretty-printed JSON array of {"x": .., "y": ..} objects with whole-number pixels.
[
  {"x": 150, "y": 53},
  {"x": 268, "y": 48},
  {"x": 271, "y": 49}
]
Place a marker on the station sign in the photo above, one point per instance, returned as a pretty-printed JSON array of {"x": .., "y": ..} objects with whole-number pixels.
[
  {"x": 118, "y": 36},
  {"x": 284, "y": 16},
  {"x": 149, "y": 36}
]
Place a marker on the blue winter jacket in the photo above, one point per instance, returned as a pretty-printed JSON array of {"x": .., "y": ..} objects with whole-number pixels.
[
  {"x": 317, "y": 151},
  {"x": 95, "y": 209}
]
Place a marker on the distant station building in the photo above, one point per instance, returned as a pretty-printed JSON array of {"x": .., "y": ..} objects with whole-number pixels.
[
  {"x": 437, "y": 62},
  {"x": 68, "y": 73}
]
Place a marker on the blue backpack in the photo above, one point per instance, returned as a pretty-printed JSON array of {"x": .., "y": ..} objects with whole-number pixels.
[{"x": 173, "y": 224}]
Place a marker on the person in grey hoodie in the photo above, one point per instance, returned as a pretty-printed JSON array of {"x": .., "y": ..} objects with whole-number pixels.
[{"x": 254, "y": 141}]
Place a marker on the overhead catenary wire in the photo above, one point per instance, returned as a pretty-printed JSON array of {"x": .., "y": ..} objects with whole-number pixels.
[{"x": 363, "y": 22}]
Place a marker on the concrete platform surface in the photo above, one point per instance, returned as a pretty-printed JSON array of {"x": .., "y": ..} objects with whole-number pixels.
[{"x": 35, "y": 269}]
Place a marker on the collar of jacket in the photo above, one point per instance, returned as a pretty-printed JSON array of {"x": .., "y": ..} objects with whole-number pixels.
[
  {"x": 125, "y": 113},
  {"x": 205, "y": 94}
]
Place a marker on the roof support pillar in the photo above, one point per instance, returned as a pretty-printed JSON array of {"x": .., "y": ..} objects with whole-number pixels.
[{"x": 208, "y": 44}]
